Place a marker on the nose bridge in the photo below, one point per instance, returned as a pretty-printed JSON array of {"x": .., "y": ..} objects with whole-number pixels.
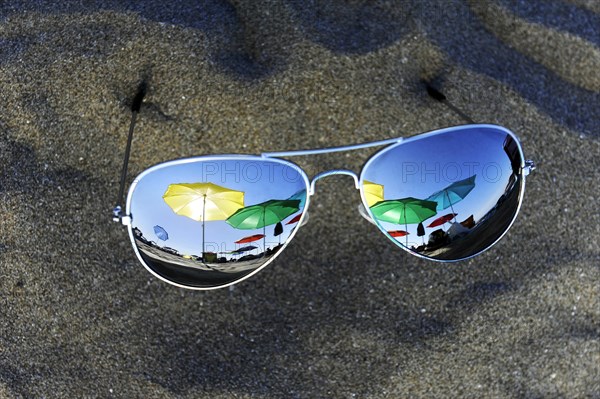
[{"x": 331, "y": 173}]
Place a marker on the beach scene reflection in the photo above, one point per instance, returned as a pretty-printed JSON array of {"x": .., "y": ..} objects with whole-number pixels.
[
  {"x": 211, "y": 222},
  {"x": 446, "y": 196}
]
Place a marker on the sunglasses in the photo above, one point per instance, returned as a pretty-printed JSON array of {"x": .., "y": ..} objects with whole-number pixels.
[{"x": 211, "y": 221}]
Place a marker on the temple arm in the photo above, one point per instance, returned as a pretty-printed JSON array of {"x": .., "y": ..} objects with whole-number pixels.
[
  {"x": 440, "y": 97},
  {"x": 136, "y": 104}
]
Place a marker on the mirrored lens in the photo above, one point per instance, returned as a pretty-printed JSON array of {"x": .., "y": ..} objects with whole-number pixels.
[
  {"x": 206, "y": 223},
  {"x": 448, "y": 195}
]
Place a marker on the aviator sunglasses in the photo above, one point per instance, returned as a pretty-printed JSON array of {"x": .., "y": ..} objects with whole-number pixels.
[{"x": 211, "y": 221}]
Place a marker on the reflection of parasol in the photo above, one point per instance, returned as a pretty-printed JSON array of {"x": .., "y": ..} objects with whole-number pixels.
[
  {"x": 248, "y": 239},
  {"x": 295, "y": 219},
  {"x": 240, "y": 251},
  {"x": 278, "y": 231},
  {"x": 244, "y": 249},
  {"x": 405, "y": 211},
  {"x": 373, "y": 192},
  {"x": 442, "y": 219},
  {"x": 398, "y": 233},
  {"x": 301, "y": 196},
  {"x": 452, "y": 194},
  {"x": 262, "y": 215},
  {"x": 421, "y": 232},
  {"x": 203, "y": 201},
  {"x": 161, "y": 233}
]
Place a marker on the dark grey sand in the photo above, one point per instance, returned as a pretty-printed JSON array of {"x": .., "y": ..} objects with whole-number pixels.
[{"x": 342, "y": 312}]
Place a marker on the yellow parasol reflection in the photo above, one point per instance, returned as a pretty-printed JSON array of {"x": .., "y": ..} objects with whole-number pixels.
[
  {"x": 203, "y": 202},
  {"x": 373, "y": 193}
]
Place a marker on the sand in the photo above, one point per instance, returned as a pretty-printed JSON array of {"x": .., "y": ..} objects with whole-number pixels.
[{"x": 342, "y": 312}]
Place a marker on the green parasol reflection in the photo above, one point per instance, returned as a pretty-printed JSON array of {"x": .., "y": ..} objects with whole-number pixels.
[
  {"x": 262, "y": 215},
  {"x": 405, "y": 211}
]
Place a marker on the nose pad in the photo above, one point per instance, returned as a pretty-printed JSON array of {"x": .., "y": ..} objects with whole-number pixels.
[
  {"x": 305, "y": 219},
  {"x": 363, "y": 212}
]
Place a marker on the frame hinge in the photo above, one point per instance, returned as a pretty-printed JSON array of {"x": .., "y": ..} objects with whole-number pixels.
[
  {"x": 119, "y": 217},
  {"x": 529, "y": 167}
]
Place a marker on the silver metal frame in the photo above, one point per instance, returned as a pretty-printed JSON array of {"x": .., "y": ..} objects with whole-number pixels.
[
  {"x": 332, "y": 173},
  {"x": 328, "y": 150},
  {"x": 526, "y": 168}
]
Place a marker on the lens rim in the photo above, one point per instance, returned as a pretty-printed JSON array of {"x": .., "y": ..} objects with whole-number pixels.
[
  {"x": 204, "y": 158},
  {"x": 432, "y": 133}
]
